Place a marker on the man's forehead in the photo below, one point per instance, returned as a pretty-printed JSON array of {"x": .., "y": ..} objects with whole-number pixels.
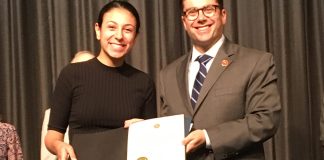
[{"x": 198, "y": 3}]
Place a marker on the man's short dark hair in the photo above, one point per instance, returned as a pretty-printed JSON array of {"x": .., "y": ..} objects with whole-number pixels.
[{"x": 220, "y": 2}]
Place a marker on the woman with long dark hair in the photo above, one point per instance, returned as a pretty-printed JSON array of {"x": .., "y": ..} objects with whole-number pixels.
[{"x": 104, "y": 93}]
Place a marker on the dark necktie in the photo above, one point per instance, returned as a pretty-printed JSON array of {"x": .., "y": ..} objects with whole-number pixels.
[{"x": 201, "y": 75}]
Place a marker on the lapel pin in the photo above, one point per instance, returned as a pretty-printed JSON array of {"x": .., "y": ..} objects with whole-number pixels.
[{"x": 224, "y": 63}]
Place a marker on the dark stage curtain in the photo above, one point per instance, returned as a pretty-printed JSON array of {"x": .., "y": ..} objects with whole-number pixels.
[{"x": 39, "y": 37}]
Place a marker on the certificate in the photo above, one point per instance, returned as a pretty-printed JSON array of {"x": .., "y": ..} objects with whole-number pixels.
[{"x": 157, "y": 139}]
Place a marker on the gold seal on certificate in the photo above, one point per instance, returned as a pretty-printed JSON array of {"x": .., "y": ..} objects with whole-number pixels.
[
  {"x": 157, "y": 125},
  {"x": 142, "y": 158}
]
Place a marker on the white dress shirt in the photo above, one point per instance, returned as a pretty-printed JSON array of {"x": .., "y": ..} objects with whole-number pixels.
[{"x": 194, "y": 68}]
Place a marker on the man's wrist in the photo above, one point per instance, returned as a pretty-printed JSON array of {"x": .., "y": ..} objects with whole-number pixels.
[{"x": 208, "y": 144}]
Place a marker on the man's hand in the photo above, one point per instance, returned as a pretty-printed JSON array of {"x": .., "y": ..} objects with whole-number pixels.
[{"x": 194, "y": 140}]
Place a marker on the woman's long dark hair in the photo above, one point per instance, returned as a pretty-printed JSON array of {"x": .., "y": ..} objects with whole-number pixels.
[{"x": 119, "y": 4}]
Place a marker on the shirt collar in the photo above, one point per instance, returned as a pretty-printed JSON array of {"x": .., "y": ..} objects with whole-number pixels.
[{"x": 211, "y": 52}]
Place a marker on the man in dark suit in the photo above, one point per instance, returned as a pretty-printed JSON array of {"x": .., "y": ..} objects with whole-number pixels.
[{"x": 229, "y": 91}]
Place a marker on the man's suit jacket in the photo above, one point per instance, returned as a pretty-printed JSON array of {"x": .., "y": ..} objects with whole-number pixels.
[{"x": 238, "y": 105}]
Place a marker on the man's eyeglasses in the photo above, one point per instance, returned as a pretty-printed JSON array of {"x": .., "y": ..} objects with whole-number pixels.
[{"x": 193, "y": 13}]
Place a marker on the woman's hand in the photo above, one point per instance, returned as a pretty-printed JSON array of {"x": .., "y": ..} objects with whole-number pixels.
[
  {"x": 64, "y": 151},
  {"x": 54, "y": 143},
  {"x": 131, "y": 121}
]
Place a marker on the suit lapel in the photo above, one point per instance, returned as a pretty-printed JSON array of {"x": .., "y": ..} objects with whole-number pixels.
[
  {"x": 182, "y": 71},
  {"x": 222, "y": 60}
]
